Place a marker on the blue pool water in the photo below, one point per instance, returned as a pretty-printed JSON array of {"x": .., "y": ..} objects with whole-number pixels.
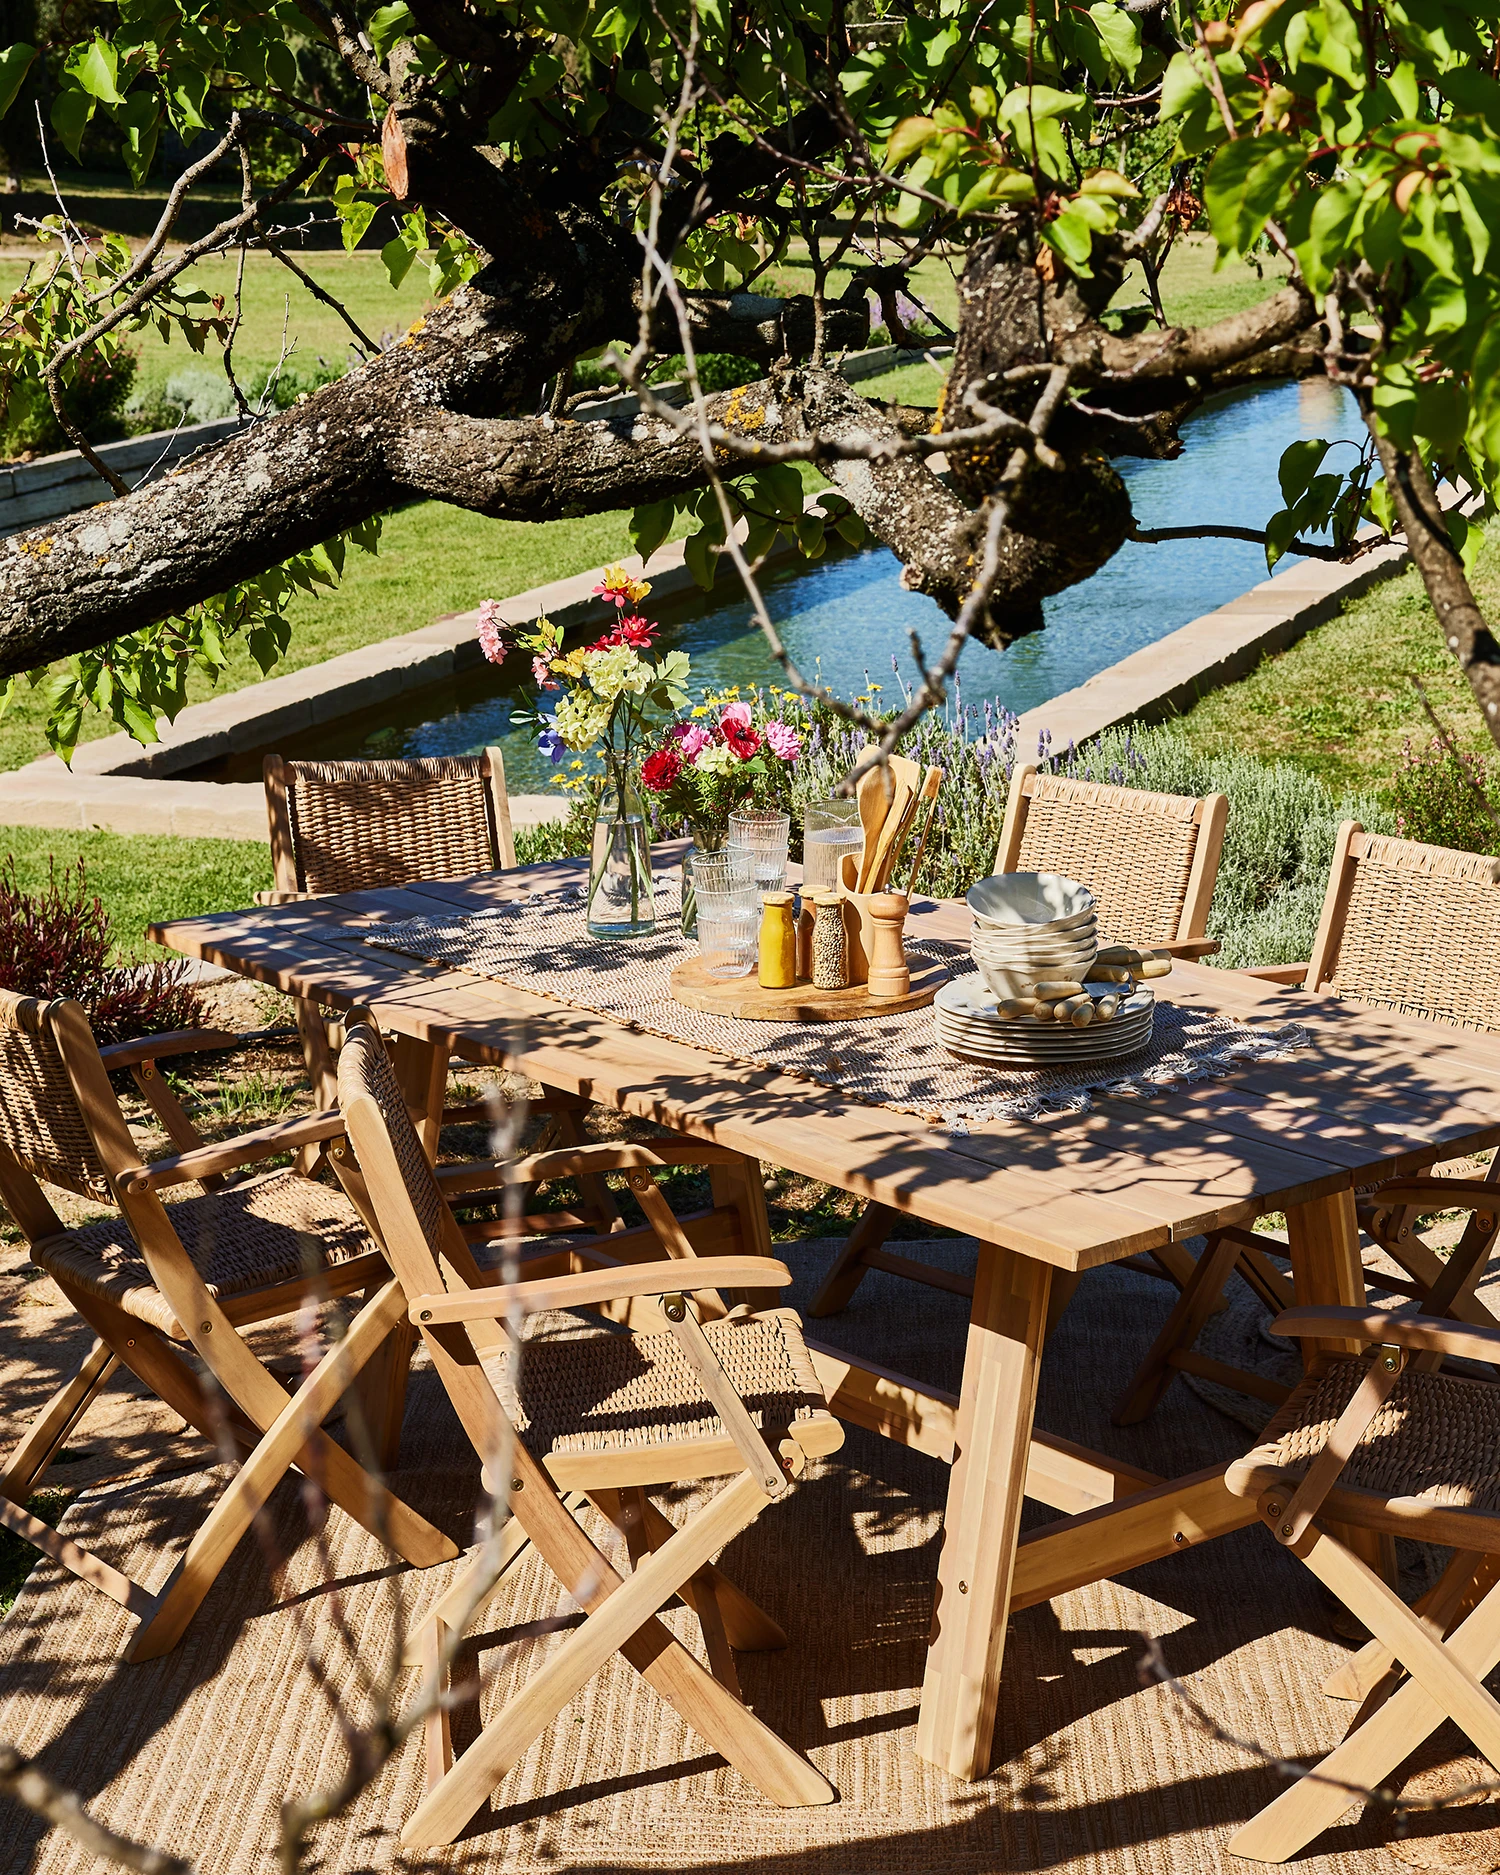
[{"x": 847, "y": 615}]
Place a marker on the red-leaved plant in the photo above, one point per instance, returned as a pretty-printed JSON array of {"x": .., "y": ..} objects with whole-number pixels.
[{"x": 57, "y": 942}]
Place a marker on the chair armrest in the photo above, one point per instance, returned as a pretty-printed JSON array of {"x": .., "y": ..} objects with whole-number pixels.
[
  {"x": 659, "y": 1278},
  {"x": 1440, "y": 1194},
  {"x": 175, "y": 1042},
  {"x": 1422, "y": 1332},
  {"x": 1189, "y": 947},
  {"x": 1295, "y": 975},
  {"x": 183, "y": 1167}
]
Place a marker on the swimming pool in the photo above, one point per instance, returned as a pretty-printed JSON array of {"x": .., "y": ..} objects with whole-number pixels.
[{"x": 847, "y": 615}]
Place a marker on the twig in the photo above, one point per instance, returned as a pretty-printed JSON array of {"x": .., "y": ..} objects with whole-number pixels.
[{"x": 1312, "y": 549}]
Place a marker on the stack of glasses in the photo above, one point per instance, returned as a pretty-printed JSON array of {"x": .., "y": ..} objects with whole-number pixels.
[
  {"x": 728, "y": 910},
  {"x": 764, "y": 838}
]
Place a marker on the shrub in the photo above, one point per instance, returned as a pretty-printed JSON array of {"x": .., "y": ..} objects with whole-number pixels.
[
  {"x": 57, "y": 942},
  {"x": 95, "y": 399},
  {"x": 1446, "y": 798}
]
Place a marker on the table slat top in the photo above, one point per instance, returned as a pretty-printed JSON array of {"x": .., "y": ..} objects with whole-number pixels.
[{"x": 1379, "y": 1093}]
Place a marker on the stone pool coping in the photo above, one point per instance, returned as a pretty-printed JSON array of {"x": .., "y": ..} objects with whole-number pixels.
[{"x": 118, "y": 786}]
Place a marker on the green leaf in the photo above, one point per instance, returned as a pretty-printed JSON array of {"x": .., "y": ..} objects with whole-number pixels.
[
  {"x": 1484, "y": 374},
  {"x": 701, "y": 555},
  {"x": 70, "y": 113},
  {"x": 1249, "y": 181},
  {"x": 650, "y": 525},
  {"x": 185, "y": 98},
  {"x": 388, "y": 24},
  {"x": 1037, "y": 103},
  {"x": 1119, "y": 34},
  {"x": 15, "y": 62},
  {"x": 1072, "y": 237},
  {"x": 1300, "y": 462},
  {"x": 1181, "y": 87},
  {"x": 909, "y": 136},
  {"x": 139, "y": 118},
  {"x": 356, "y": 217},
  {"x": 96, "y": 70},
  {"x": 1334, "y": 208},
  {"x": 398, "y": 258},
  {"x": 1404, "y": 89}
]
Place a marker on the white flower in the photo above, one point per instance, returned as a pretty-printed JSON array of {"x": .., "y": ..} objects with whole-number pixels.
[
  {"x": 717, "y": 759},
  {"x": 581, "y": 719},
  {"x": 616, "y": 669}
]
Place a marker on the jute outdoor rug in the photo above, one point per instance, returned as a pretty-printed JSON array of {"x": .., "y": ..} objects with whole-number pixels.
[
  {"x": 196, "y": 1752},
  {"x": 540, "y": 944}
]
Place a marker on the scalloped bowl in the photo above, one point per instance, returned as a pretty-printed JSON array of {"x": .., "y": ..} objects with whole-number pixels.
[{"x": 1034, "y": 901}]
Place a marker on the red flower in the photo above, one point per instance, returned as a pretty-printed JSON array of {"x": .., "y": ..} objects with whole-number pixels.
[
  {"x": 660, "y": 770},
  {"x": 636, "y": 632},
  {"x": 740, "y": 737}
]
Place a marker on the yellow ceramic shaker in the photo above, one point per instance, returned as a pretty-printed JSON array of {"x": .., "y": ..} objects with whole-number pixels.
[{"x": 778, "y": 942}]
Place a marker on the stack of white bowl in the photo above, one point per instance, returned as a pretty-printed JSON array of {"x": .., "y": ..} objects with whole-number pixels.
[{"x": 1032, "y": 927}]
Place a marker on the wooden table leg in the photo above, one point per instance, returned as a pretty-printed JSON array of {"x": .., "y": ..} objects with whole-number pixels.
[
  {"x": 961, "y": 1688},
  {"x": 422, "y": 1075},
  {"x": 1323, "y": 1236}
]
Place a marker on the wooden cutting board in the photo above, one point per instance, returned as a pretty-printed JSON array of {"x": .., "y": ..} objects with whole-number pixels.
[{"x": 693, "y": 987}]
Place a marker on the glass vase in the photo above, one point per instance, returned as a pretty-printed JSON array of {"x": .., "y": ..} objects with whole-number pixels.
[
  {"x": 620, "y": 902},
  {"x": 705, "y": 840}
]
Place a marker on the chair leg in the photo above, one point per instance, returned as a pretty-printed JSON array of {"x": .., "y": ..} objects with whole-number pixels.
[
  {"x": 52, "y": 1427},
  {"x": 1457, "y": 1590},
  {"x": 1181, "y": 1329},
  {"x": 379, "y": 1395},
  {"x": 643, "y": 1536},
  {"x": 1447, "y": 1681},
  {"x": 849, "y": 1270},
  {"x": 616, "y": 1620},
  {"x": 289, "y": 1438},
  {"x": 1370, "y": 1752},
  {"x": 749, "y": 1628}
]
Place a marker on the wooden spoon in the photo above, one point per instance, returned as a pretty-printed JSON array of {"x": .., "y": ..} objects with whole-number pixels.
[{"x": 874, "y": 797}]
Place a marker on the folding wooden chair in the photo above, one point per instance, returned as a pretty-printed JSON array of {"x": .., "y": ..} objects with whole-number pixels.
[
  {"x": 611, "y": 1416},
  {"x": 1408, "y": 927},
  {"x": 1151, "y": 861},
  {"x": 1388, "y": 1444},
  {"x": 155, "y": 1277}
]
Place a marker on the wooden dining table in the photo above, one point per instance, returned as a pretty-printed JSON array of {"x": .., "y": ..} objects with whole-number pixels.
[{"x": 1373, "y": 1094}]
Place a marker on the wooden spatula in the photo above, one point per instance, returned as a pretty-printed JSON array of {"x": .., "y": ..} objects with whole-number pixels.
[{"x": 885, "y": 847}]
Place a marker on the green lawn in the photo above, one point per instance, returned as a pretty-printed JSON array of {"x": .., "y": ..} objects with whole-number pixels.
[
  {"x": 143, "y": 877},
  {"x": 1341, "y": 700}
]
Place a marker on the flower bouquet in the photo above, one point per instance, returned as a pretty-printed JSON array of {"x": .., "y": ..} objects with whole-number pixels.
[
  {"x": 611, "y": 700},
  {"x": 728, "y": 754}
]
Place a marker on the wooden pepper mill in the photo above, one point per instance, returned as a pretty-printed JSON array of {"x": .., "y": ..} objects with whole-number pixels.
[{"x": 889, "y": 975}]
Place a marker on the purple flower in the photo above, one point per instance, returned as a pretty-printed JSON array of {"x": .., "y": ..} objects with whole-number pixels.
[{"x": 550, "y": 741}]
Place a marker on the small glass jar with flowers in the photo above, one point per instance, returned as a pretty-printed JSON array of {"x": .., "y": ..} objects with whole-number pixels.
[
  {"x": 611, "y": 701},
  {"x": 728, "y": 754}
]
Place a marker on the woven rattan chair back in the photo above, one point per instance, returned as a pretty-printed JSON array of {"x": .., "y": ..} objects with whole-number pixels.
[
  {"x": 1410, "y": 927},
  {"x": 357, "y": 826},
  {"x": 41, "y": 1126},
  {"x": 1149, "y": 859}
]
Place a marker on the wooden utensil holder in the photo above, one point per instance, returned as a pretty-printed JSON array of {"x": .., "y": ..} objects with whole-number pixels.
[{"x": 874, "y": 921}]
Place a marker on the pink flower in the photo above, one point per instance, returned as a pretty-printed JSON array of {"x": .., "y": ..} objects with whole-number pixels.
[
  {"x": 784, "y": 740},
  {"x": 695, "y": 741},
  {"x": 734, "y": 713},
  {"x": 491, "y": 625},
  {"x": 638, "y": 633},
  {"x": 541, "y": 674}
]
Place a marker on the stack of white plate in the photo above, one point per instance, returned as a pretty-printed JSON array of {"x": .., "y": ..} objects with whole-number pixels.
[
  {"x": 967, "y": 1025},
  {"x": 1031, "y": 927}
]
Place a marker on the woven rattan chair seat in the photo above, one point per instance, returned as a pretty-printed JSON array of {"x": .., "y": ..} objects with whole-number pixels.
[
  {"x": 609, "y": 1392},
  {"x": 1435, "y": 1442},
  {"x": 254, "y": 1236}
]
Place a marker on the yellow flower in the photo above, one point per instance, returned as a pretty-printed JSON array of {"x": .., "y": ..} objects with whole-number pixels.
[
  {"x": 581, "y": 719},
  {"x": 617, "y": 669}
]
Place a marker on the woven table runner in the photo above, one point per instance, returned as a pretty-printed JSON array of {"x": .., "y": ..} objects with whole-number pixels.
[{"x": 540, "y": 944}]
